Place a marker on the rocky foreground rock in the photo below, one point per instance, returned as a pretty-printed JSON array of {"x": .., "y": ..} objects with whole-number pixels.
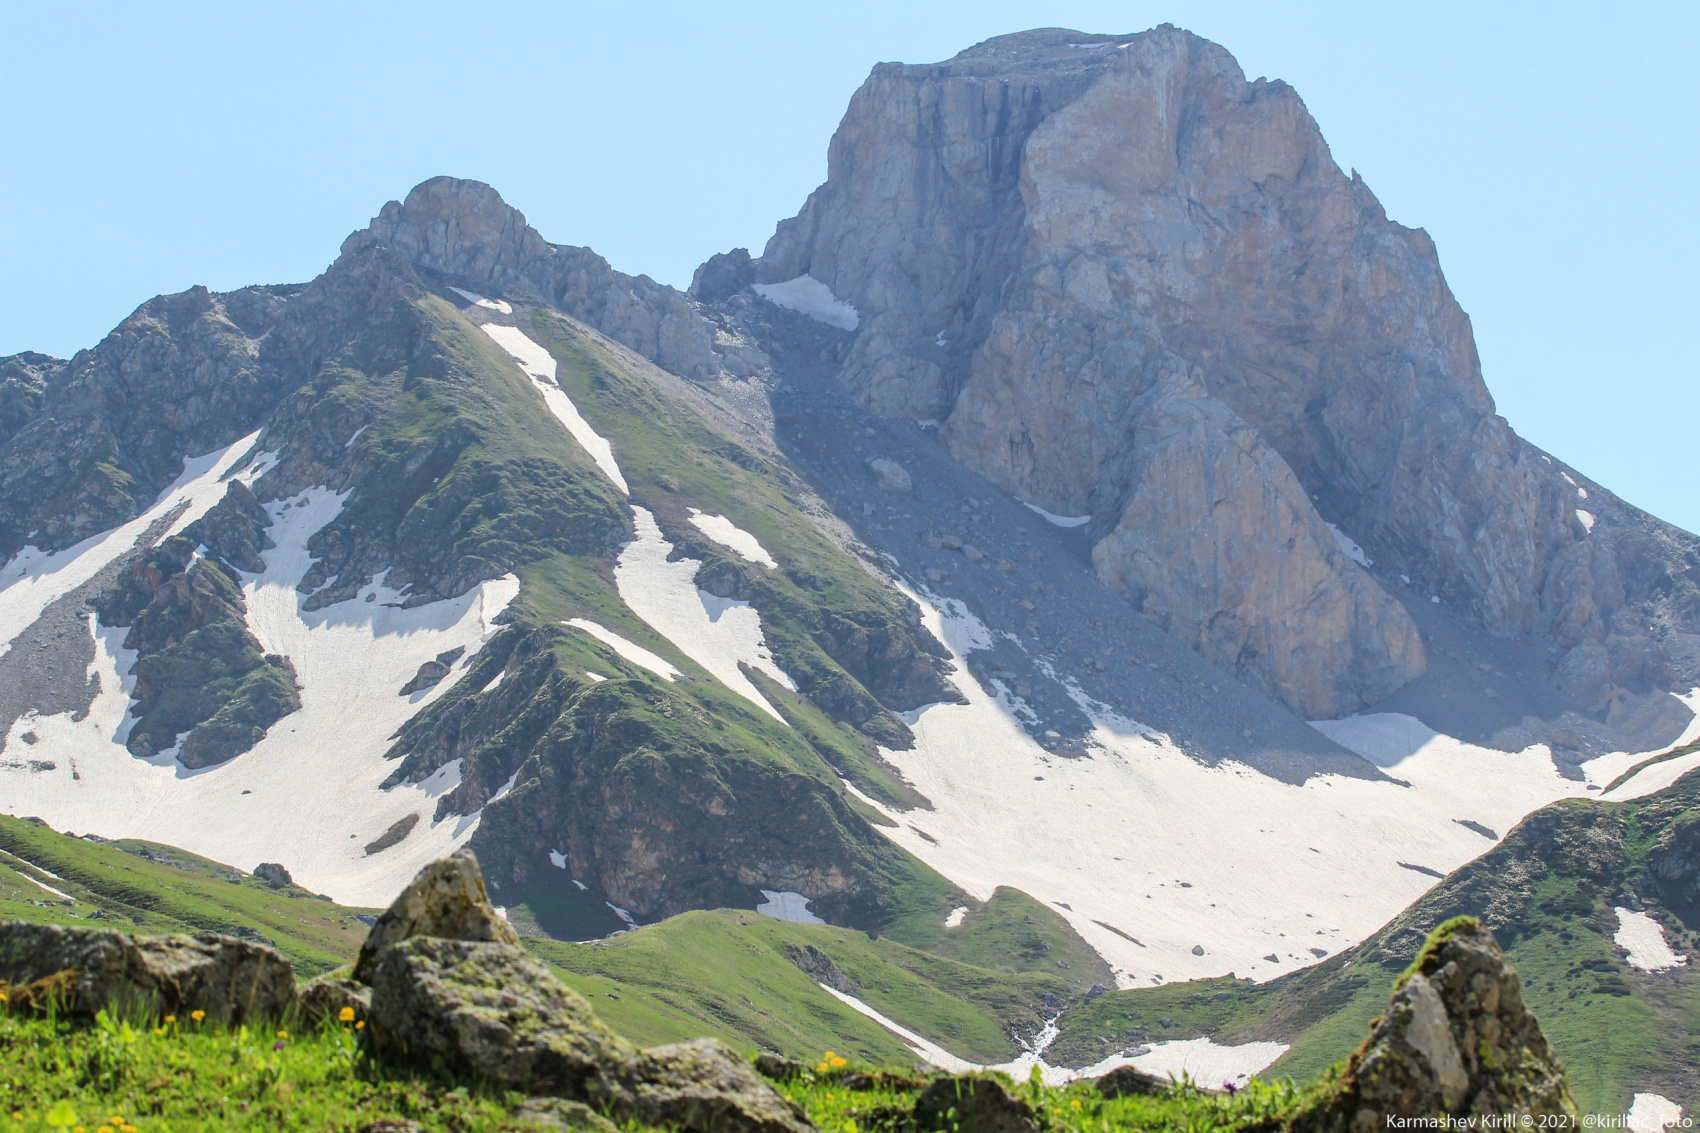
[{"x": 1456, "y": 1039}]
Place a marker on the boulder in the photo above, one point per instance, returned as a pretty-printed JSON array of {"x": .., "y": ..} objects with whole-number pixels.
[
  {"x": 326, "y": 996},
  {"x": 1456, "y": 1039},
  {"x": 890, "y": 475},
  {"x": 273, "y": 874},
  {"x": 1125, "y": 1081},
  {"x": 971, "y": 1104},
  {"x": 559, "y": 1113},
  {"x": 233, "y": 981},
  {"x": 446, "y": 899},
  {"x": 488, "y": 1008}
]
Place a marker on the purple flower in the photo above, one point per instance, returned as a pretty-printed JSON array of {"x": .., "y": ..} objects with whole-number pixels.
[
  {"x": 278, "y": 1045},
  {"x": 1230, "y": 1088}
]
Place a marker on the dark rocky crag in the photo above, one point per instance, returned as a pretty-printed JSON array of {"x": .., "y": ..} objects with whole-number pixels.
[{"x": 1135, "y": 285}]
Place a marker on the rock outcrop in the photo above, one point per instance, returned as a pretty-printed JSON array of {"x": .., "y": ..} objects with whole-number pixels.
[
  {"x": 1136, "y": 285},
  {"x": 233, "y": 981},
  {"x": 450, "y": 985},
  {"x": 1455, "y": 1040},
  {"x": 445, "y": 899}
]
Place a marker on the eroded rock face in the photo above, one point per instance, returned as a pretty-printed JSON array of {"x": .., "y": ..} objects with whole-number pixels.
[
  {"x": 446, "y": 899},
  {"x": 1456, "y": 1039},
  {"x": 1051, "y": 234},
  {"x": 233, "y": 981}
]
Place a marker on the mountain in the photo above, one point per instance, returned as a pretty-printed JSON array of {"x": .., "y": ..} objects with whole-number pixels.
[{"x": 1089, "y": 505}]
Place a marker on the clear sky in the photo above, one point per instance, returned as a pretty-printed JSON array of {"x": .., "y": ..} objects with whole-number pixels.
[{"x": 1550, "y": 148}]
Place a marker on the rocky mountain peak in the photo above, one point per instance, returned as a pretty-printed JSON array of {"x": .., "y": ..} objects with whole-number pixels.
[
  {"x": 1135, "y": 285},
  {"x": 459, "y": 228}
]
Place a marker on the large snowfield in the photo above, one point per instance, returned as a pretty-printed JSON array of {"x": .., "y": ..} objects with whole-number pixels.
[
  {"x": 1175, "y": 870},
  {"x": 308, "y": 794}
]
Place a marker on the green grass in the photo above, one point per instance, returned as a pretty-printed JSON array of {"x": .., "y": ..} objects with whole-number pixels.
[
  {"x": 730, "y": 974},
  {"x": 58, "y": 1076},
  {"x": 114, "y": 886}
]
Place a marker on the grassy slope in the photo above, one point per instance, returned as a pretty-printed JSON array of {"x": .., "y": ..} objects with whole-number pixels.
[
  {"x": 729, "y": 972},
  {"x": 1548, "y": 892},
  {"x": 112, "y": 885}
]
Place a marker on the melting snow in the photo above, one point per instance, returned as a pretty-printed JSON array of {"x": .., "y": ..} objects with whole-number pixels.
[
  {"x": 1585, "y": 518},
  {"x": 1651, "y": 1113},
  {"x": 1208, "y": 1064},
  {"x": 557, "y": 859},
  {"x": 716, "y": 633},
  {"x": 479, "y": 301},
  {"x": 1059, "y": 520},
  {"x": 313, "y": 800},
  {"x": 957, "y": 916},
  {"x": 1602, "y": 770},
  {"x": 539, "y": 365},
  {"x": 1120, "y": 837},
  {"x": 34, "y": 578},
  {"x": 626, "y": 648},
  {"x": 1349, "y": 547},
  {"x": 809, "y": 296},
  {"x": 733, "y": 537},
  {"x": 1644, "y": 939},
  {"x": 784, "y": 905}
]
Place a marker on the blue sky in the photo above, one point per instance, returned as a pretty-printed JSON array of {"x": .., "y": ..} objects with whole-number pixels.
[{"x": 1550, "y": 149}]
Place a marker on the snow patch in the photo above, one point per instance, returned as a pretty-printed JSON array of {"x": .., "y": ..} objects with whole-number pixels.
[
  {"x": 809, "y": 296},
  {"x": 957, "y": 916},
  {"x": 349, "y": 443},
  {"x": 1603, "y": 770},
  {"x": 1652, "y": 1113},
  {"x": 716, "y": 633},
  {"x": 34, "y": 578},
  {"x": 504, "y": 788},
  {"x": 479, "y": 301},
  {"x": 626, "y": 648},
  {"x": 595, "y": 678},
  {"x": 1059, "y": 520},
  {"x": 539, "y": 365},
  {"x": 1267, "y": 868},
  {"x": 1585, "y": 518},
  {"x": 1208, "y": 1064},
  {"x": 1644, "y": 939},
  {"x": 1349, "y": 547},
  {"x": 734, "y": 538},
  {"x": 784, "y": 905},
  {"x": 557, "y": 859},
  {"x": 308, "y": 794}
]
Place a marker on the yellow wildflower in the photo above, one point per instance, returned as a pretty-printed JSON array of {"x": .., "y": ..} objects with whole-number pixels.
[
  {"x": 171, "y": 1018},
  {"x": 283, "y": 1034},
  {"x": 197, "y": 1015},
  {"x": 1075, "y": 1103},
  {"x": 346, "y": 1015},
  {"x": 360, "y": 1024}
]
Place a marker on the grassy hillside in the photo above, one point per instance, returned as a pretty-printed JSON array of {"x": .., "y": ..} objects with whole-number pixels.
[
  {"x": 1549, "y": 893},
  {"x": 143, "y": 887}
]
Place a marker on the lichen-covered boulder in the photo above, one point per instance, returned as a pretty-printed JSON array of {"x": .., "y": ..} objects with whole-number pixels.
[
  {"x": 232, "y": 980},
  {"x": 325, "y": 997},
  {"x": 559, "y": 1113},
  {"x": 446, "y": 899},
  {"x": 490, "y": 1009},
  {"x": 704, "y": 1085},
  {"x": 973, "y": 1104},
  {"x": 1456, "y": 1040}
]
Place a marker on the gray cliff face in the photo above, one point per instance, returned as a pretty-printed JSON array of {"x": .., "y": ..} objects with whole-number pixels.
[{"x": 1135, "y": 285}]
